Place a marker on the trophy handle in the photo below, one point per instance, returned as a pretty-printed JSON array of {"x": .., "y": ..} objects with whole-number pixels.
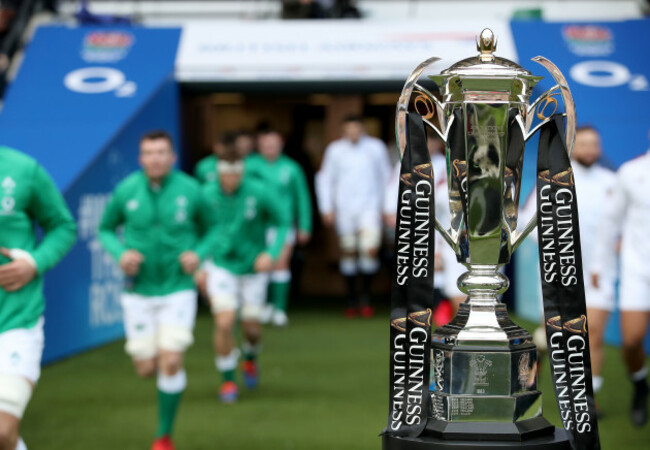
[
  {"x": 570, "y": 114},
  {"x": 403, "y": 104},
  {"x": 400, "y": 123}
]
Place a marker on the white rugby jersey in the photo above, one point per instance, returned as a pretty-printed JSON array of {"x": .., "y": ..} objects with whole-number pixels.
[
  {"x": 594, "y": 185},
  {"x": 353, "y": 177},
  {"x": 627, "y": 213}
]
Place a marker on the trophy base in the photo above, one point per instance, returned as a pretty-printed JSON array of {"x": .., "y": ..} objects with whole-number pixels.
[
  {"x": 520, "y": 431},
  {"x": 558, "y": 440}
]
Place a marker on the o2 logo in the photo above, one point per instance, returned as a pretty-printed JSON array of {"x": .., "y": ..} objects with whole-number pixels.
[
  {"x": 599, "y": 73},
  {"x": 100, "y": 80}
]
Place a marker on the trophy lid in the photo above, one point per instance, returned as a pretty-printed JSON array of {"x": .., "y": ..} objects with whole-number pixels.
[
  {"x": 486, "y": 63},
  {"x": 485, "y": 73}
]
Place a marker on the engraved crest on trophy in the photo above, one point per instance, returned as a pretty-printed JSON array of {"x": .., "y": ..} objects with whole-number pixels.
[{"x": 481, "y": 365}]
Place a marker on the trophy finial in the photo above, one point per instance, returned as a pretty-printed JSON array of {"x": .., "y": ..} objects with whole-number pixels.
[{"x": 486, "y": 44}]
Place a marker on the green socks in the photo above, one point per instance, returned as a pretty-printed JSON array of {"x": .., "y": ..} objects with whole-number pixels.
[
  {"x": 279, "y": 289},
  {"x": 228, "y": 375},
  {"x": 227, "y": 365},
  {"x": 170, "y": 391}
]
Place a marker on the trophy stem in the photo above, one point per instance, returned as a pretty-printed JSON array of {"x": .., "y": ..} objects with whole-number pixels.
[{"x": 483, "y": 283}]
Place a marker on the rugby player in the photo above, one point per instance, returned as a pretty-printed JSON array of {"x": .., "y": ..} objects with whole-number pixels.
[
  {"x": 164, "y": 219},
  {"x": 287, "y": 180},
  {"x": 27, "y": 196},
  {"x": 241, "y": 261},
  {"x": 627, "y": 214},
  {"x": 350, "y": 187}
]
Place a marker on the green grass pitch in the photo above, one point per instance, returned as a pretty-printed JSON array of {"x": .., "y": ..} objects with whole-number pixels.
[{"x": 324, "y": 385}]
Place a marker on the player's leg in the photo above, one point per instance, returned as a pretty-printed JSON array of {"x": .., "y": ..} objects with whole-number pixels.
[
  {"x": 223, "y": 291},
  {"x": 347, "y": 230},
  {"x": 368, "y": 247},
  {"x": 597, "y": 321},
  {"x": 634, "y": 304},
  {"x": 348, "y": 268},
  {"x": 600, "y": 304},
  {"x": 176, "y": 317},
  {"x": 9, "y": 426},
  {"x": 20, "y": 368},
  {"x": 140, "y": 330},
  {"x": 253, "y": 290},
  {"x": 280, "y": 284}
]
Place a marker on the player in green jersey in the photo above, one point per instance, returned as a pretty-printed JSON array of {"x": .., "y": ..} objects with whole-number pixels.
[
  {"x": 244, "y": 210},
  {"x": 27, "y": 195},
  {"x": 205, "y": 170},
  {"x": 287, "y": 180},
  {"x": 165, "y": 220}
]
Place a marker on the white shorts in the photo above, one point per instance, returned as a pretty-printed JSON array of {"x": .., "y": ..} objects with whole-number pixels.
[
  {"x": 601, "y": 298},
  {"x": 158, "y": 323},
  {"x": 352, "y": 224},
  {"x": 359, "y": 233},
  {"x": 289, "y": 240},
  {"x": 634, "y": 292},
  {"x": 21, "y": 350},
  {"x": 230, "y": 292}
]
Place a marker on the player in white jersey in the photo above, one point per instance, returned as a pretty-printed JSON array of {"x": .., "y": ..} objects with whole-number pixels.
[
  {"x": 350, "y": 187},
  {"x": 593, "y": 185},
  {"x": 627, "y": 213}
]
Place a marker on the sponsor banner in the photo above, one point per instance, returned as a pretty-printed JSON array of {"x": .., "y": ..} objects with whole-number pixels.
[
  {"x": 81, "y": 101},
  {"x": 322, "y": 51},
  {"x": 565, "y": 312},
  {"x": 412, "y": 291}
]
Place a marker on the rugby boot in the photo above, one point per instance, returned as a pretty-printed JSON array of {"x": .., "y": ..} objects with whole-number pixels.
[
  {"x": 639, "y": 410},
  {"x": 163, "y": 443},
  {"x": 251, "y": 374},
  {"x": 228, "y": 392}
]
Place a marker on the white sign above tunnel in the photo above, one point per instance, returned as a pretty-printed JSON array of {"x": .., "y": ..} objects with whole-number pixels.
[{"x": 325, "y": 50}]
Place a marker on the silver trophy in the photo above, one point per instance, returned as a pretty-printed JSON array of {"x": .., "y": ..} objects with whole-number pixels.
[{"x": 483, "y": 377}]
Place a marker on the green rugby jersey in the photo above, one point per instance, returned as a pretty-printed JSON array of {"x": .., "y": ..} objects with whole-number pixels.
[
  {"x": 241, "y": 219},
  {"x": 288, "y": 181},
  {"x": 28, "y": 195},
  {"x": 206, "y": 169},
  {"x": 161, "y": 223}
]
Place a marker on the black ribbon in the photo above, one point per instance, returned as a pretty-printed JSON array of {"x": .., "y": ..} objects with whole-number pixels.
[
  {"x": 412, "y": 289},
  {"x": 565, "y": 312}
]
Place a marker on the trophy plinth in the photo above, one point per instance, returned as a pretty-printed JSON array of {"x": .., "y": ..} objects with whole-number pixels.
[
  {"x": 484, "y": 368},
  {"x": 483, "y": 384},
  {"x": 557, "y": 440}
]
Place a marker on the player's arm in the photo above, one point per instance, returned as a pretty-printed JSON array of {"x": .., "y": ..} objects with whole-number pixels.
[
  {"x": 391, "y": 195},
  {"x": 385, "y": 167},
  {"x": 206, "y": 219},
  {"x": 325, "y": 180},
  {"x": 303, "y": 203},
  {"x": 609, "y": 229},
  {"x": 128, "y": 259},
  {"x": 49, "y": 209},
  {"x": 278, "y": 218},
  {"x": 112, "y": 218}
]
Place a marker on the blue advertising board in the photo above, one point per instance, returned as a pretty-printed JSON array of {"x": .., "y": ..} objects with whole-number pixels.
[
  {"x": 81, "y": 101},
  {"x": 608, "y": 72}
]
